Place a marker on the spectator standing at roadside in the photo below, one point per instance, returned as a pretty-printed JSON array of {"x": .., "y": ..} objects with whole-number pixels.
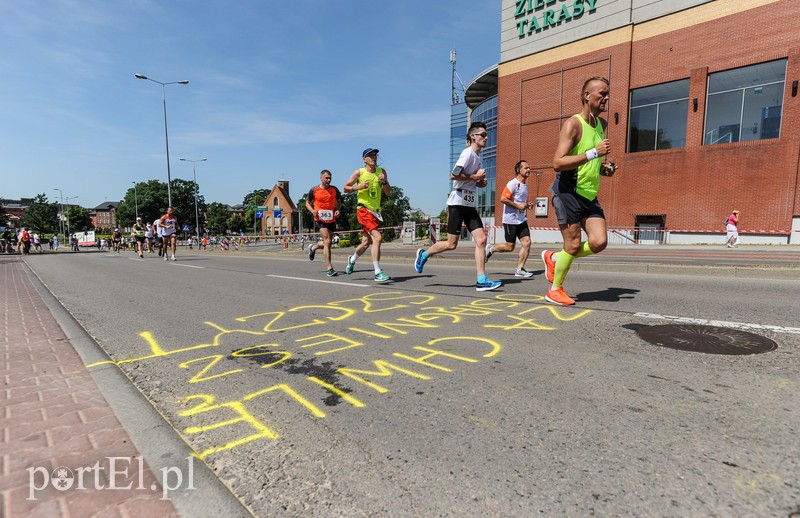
[
  {"x": 25, "y": 240},
  {"x": 732, "y": 230},
  {"x": 324, "y": 201}
]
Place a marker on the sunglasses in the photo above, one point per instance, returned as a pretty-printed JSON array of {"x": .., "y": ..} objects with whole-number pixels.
[{"x": 484, "y": 134}]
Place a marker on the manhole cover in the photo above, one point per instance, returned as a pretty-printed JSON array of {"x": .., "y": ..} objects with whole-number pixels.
[{"x": 706, "y": 339}]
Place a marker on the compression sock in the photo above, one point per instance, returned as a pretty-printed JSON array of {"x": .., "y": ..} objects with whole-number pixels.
[
  {"x": 562, "y": 267},
  {"x": 353, "y": 258},
  {"x": 584, "y": 251},
  {"x": 377, "y": 267}
]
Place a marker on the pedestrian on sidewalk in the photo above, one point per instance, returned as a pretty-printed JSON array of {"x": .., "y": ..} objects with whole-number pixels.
[{"x": 732, "y": 230}]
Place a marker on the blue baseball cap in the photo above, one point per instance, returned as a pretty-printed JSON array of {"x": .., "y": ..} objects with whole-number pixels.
[{"x": 368, "y": 151}]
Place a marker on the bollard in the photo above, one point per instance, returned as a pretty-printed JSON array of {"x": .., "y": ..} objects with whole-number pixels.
[{"x": 285, "y": 244}]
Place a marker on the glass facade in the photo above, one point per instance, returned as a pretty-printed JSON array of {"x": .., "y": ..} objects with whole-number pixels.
[
  {"x": 745, "y": 103},
  {"x": 458, "y": 131},
  {"x": 486, "y": 112},
  {"x": 658, "y": 116}
]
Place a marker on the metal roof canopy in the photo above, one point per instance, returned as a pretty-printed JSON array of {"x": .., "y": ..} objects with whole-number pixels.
[{"x": 482, "y": 87}]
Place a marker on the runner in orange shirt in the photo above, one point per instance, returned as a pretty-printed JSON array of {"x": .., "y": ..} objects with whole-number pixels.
[{"x": 325, "y": 202}]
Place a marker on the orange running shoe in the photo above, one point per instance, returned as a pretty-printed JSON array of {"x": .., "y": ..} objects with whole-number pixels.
[
  {"x": 560, "y": 297},
  {"x": 549, "y": 265}
]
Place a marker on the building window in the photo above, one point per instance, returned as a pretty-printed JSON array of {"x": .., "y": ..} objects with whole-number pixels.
[
  {"x": 658, "y": 116},
  {"x": 745, "y": 103},
  {"x": 275, "y": 202}
]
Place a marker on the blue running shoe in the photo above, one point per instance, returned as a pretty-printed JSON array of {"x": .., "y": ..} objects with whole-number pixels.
[
  {"x": 487, "y": 285},
  {"x": 350, "y": 266},
  {"x": 332, "y": 273},
  {"x": 420, "y": 262},
  {"x": 382, "y": 277}
]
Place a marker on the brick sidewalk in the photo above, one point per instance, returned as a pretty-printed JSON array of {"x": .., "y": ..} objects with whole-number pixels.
[{"x": 55, "y": 416}]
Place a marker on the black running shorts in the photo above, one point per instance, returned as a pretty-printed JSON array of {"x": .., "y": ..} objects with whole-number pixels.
[
  {"x": 514, "y": 232},
  {"x": 458, "y": 215},
  {"x": 573, "y": 208}
]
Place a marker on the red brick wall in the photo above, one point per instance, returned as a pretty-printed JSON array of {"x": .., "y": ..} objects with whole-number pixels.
[{"x": 695, "y": 186}]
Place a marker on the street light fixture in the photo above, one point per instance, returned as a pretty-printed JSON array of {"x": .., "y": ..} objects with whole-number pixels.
[
  {"x": 135, "y": 199},
  {"x": 61, "y": 212},
  {"x": 194, "y": 179},
  {"x": 166, "y": 137}
]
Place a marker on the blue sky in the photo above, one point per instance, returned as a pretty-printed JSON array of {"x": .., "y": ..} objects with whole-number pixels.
[{"x": 277, "y": 90}]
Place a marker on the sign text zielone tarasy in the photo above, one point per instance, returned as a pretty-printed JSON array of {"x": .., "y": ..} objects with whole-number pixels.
[{"x": 534, "y": 16}]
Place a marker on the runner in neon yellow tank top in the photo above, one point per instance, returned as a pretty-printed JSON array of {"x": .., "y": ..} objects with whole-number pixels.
[
  {"x": 578, "y": 164},
  {"x": 371, "y": 183}
]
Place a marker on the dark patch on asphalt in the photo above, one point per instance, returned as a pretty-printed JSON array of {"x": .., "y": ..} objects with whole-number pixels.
[
  {"x": 326, "y": 371},
  {"x": 706, "y": 339}
]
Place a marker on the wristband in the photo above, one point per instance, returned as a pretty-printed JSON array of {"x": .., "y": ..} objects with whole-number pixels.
[{"x": 591, "y": 154}]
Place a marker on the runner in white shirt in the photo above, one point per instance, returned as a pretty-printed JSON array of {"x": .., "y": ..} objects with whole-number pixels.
[
  {"x": 148, "y": 236},
  {"x": 467, "y": 176},
  {"x": 168, "y": 224},
  {"x": 157, "y": 236},
  {"x": 515, "y": 220}
]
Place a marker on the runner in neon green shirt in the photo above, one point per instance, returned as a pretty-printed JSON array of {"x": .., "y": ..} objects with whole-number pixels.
[
  {"x": 371, "y": 183},
  {"x": 577, "y": 161}
]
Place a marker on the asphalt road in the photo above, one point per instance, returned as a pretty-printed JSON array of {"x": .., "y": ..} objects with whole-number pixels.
[{"x": 310, "y": 395}]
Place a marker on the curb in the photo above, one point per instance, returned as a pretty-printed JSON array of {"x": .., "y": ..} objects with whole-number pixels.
[{"x": 157, "y": 441}]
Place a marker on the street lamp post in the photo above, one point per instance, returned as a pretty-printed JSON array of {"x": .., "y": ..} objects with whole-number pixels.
[
  {"x": 69, "y": 198},
  {"x": 135, "y": 199},
  {"x": 194, "y": 179},
  {"x": 166, "y": 136},
  {"x": 61, "y": 213}
]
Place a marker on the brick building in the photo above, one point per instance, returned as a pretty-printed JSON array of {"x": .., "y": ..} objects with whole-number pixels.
[
  {"x": 104, "y": 216},
  {"x": 704, "y": 113},
  {"x": 281, "y": 214}
]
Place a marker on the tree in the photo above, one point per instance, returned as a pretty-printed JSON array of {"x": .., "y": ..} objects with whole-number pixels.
[
  {"x": 217, "y": 217},
  {"x": 3, "y": 216},
  {"x": 78, "y": 219},
  {"x": 41, "y": 215},
  {"x": 393, "y": 210},
  {"x": 152, "y": 198},
  {"x": 183, "y": 193},
  {"x": 256, "y": 198},
  {"x": 237, "y": 223},
  {"x": 306, "y": 218},
  {"x": 350, "y": 220}
]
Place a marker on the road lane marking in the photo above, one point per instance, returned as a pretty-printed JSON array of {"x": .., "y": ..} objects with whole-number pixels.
[
  {"x": 318, "y": 280},
  {"x": 722, "y": 323},
  {"x": 189, "y": 266}
]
